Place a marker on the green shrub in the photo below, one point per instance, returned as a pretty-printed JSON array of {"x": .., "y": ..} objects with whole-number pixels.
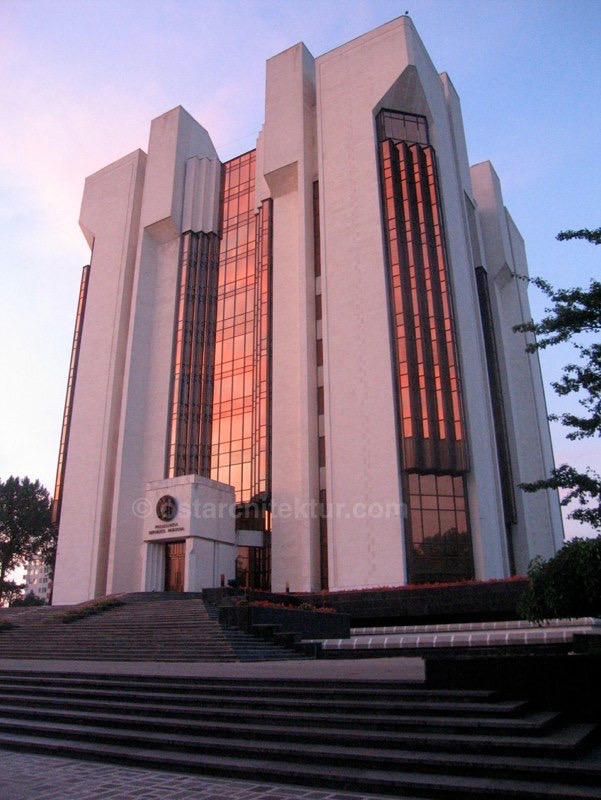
[
  {"x": 29, "y": 600},
  {"x": 91, "y": 608},
  {"x": 5, "y": 625},
  {"x": 568, "y": 585}
]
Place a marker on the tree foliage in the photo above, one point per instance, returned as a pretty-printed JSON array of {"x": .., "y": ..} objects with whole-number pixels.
[
  {"x": 594, "y": 237},
  {"x": 27, "y": 600},
  {"x": 573, "y": 312},
  {"x": 568, "y": 585},
  {"x": 25, "y": 527},
  {"x": 11, "y": 592}
]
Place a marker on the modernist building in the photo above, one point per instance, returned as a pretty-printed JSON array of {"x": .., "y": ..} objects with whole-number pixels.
[
  {"x": 38, "y": 580},
  {"x": 299, "y": 364}
]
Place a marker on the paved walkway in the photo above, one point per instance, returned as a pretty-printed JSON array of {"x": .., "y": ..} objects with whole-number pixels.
[{"x": 32, "y": 777}]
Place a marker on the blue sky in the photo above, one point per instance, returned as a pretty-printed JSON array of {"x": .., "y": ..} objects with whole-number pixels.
[{"x": 80, "y": 81}]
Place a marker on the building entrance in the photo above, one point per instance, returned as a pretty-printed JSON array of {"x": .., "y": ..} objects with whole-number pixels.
[
  {"x": 175, "y": 560},
  {"x": 253, "y": 568}
]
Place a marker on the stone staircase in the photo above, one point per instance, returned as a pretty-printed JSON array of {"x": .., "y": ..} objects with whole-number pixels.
[
  {"x": 147, "y": 627},
  {"x": 402, "y": 740}
]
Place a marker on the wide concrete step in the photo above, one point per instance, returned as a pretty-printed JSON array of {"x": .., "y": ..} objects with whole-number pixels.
[
  {"x": 299, "y": 749},
  {"x": 564, "y": 741},
  {"x": 137, "y": 656},
  {"x": 356, "y": 730},
  {"x": 379, "y": 698},
  {"x": 397, "y": 782},
  {"x": 246, "y": 703},
  {"x": 396, "y": 739},
  {"x": 351, "y": 690},
  {"x": 406, "y": 711},
  {"x": 244, "y": 715},
  {"x": 169, "y": 656}
]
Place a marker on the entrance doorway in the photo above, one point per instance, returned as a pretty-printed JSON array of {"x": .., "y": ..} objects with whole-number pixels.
[
  {"x": 253, "y": 568},
  {"x": 175, "y": 561}
]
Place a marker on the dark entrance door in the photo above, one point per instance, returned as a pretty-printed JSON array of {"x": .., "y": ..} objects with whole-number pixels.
[{"x": 175, "y": 559}]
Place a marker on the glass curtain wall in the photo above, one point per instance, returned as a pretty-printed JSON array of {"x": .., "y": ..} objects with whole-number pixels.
[
  {"x": 241, "y": 427},
  {"x": 221, "y": 386}
]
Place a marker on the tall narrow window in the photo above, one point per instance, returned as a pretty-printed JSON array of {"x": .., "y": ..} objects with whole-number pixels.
[
  {"x": 321, "y": 444},
  {"x": 432, "y": 439},
  {"x": 189, "y": 434},
  {"x": 498, "y": 408},
  {"x": 67, "y": 414},
  {"x": 261, "y": 428}
]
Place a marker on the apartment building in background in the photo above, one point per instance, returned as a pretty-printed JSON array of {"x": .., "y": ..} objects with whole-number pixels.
[{"x": 38, "y": 580}]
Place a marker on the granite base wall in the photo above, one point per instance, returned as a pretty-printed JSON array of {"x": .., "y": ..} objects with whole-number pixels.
[
  {"x": 469, "y": 602},
  {"x": 307, "y": 624},
  {"x": 566, "y": 683}
]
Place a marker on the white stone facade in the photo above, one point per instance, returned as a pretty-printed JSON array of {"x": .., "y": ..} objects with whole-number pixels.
[
  {"x": 204, "y": 516},
  {"x": 319, "y": 127}
]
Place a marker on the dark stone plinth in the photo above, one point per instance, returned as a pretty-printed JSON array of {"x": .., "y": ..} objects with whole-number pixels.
[
  {"x": 215, "y": 597},
  {"x": 463, "y": 602},
  {"x": 567, "y": 683},
  {"x": 305, "y": 624}
]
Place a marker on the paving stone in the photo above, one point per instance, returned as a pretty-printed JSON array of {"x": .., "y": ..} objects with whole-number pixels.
[{"x": 26, "y": 776}]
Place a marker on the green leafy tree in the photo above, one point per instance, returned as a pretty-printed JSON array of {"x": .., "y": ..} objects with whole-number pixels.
[
  {"x": 573, "y": 312},
  {"x": 25, "y": 527},
  {"x": 567, "y": 585},
  {"x": 11, "y": 592}
]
